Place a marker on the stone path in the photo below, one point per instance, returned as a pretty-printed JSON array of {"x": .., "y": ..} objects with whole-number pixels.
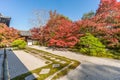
[
  {"x": 55, "y": 65},
  {"x": 20, "y": 62},
  {"x": 63, "y": 62},
  {"x": 91, "y": 68},
  {"x": 45, "y": 71}
]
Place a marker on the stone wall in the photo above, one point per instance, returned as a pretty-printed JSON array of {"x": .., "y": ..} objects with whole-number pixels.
[
  {"x": 4, "y": 73},
  {"x": 1, "y": 64}
]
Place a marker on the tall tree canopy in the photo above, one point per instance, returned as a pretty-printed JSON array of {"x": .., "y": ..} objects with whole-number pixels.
[
  {"x": 88, "y": 15},
  {"x": 104, "y": 24},
  {"x": 7, "y": 35},
  {"x": 59, "y": 31}
]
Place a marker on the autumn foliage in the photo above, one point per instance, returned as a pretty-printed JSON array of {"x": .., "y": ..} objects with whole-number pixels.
[
  {"x": 59, "y": 32},
  {"x": 7, "y": 35},
  {"x": 66, "y": 34},
  {"x": 109, "y": 13},
  {"x": 62, "y": 32},
  {"x": 105, "y": 24}
]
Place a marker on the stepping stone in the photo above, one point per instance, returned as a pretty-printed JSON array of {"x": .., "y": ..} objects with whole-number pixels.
[
  {"x": 53, "y": 58},
  {"x": 31, "y": 77},
  {"x": 63, "y": 62},
  {"x": 55, "y": 65},
  {"x": 44, "y": 71},
  {"x": 57, "y": 60},
  {"x": 48, "y": 56}
]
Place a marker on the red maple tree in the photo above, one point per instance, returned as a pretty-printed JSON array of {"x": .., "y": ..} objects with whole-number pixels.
[
  {"x": 66, "y": 34},
  {"x": 7, "y": 34}
]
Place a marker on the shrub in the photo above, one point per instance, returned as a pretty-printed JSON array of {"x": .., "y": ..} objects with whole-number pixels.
[
  {"x": 19, "y": 44},
  {"x": 2, "y": 45},
  {"x": 91, "y": 45}
]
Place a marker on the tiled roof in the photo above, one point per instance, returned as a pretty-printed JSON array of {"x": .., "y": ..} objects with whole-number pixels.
[{"x": 25, "y": 33}]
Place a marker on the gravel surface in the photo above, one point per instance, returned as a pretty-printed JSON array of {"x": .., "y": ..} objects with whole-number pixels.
[
  {"x": 91, "y": 68},
  {"x": 20, "y": 62}
]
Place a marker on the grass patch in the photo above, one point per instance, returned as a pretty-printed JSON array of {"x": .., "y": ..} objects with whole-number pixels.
[{"x": 50, "y": 62}]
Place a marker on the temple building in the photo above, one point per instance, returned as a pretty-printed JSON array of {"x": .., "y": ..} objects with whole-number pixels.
[
  {"x": 5, "y": 20},
  {"x": 27, "y": 35}
]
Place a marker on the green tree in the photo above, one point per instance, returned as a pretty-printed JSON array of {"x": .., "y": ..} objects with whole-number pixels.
[
  {"x": 19, "y": 44},
  {"x": 88, "y": 15},
  {"x": 91, "y": 45}
]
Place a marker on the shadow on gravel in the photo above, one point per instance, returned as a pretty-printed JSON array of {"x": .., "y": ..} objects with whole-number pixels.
[
  {"x": 95, "y": 72},
  {"x": 15, "y": 66}
]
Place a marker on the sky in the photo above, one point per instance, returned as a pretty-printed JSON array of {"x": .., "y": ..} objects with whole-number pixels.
[{"x": 21, "y": 11}]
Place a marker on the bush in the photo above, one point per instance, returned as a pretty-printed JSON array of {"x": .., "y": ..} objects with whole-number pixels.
[
  {"x": 2, "y": 45},
  {"x": 19, "y": 44},
  {"x": 91, "y": 45}
]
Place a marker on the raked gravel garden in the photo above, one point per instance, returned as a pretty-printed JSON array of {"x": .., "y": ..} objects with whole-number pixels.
[
  {"x": 48, "y": 67},
  {"x": 43, "y": 63}
]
